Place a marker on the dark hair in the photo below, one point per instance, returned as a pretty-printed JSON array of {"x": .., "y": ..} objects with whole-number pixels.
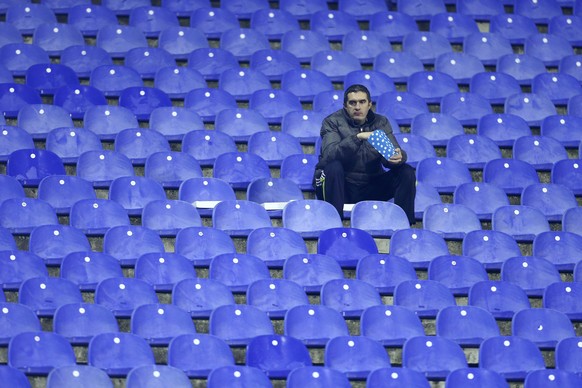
[{"x": 354, "y": 89}]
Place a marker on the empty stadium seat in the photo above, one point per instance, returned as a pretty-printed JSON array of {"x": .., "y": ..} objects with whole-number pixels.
[
  {"x": 49, "y": 116},
  {"x": 523, "y": 67},
  {"x": 18, "y": 266},
  {"x": 552, "y": 199},
  {"x": 444, "y": 174},
  {"x": 541, "y": 152},
  {"x": 118, "y": 353},
  {"x": 45, "y": 294},
  {"x": 355, "y": 356},
  {"x": 56, "y": 37},
  {"x": 275, "y": 245},
  {"x": 314, "y": 325},
  {"x": 533, "y": 274},
  {"x": 38, "y": 352},
  {"x": 171, "y": 168},
  {"x": 311, "y": 270},
  {"x": 159, "y": 324},
  {"x": 245, "y": 268},
  {"x": 511, "y": 356},
  {"x": 435, "y": 356},
  {"x": 86, "y": 269},
  {"x": 425, "y": 297},
  {"x": 239, "y": 324},
  {"x": 156, "y": 374},
  {"x": 426, "y": 45},
  {"x": 239, "y": 217},
  {"x": 473, "y": 150},
  {"x": 512, "y": 175},
  {"x": 22, "y": 215},
  {"x": 71, "y": 375},
  {"x": 501, "y": 298},
  {"x": 390, "y": 325},
  {"x": 276, "y": 355},
  {"x": 240, "y": 169},
  {"x": 468, "y": 326},
  {"x": 563, "y": 128},
  {"x": 117, "y": 39},
  {"x": 163, "y": 271},
  {"x": 487, "y": 46},
  {"x": 79, "y": 322},
  {"x": 198, "y": 354},
  {"x": 62, "y": 191}
]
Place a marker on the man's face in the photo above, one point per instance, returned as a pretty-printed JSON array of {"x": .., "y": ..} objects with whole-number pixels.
[{"x": 358, "y": 106}]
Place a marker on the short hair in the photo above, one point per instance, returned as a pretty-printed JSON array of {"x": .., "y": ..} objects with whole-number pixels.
[{"x": 354, "y": 89}]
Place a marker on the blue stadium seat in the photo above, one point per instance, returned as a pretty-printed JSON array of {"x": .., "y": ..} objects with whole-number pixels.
[
  {"x": 76, "y": 376},
  {"x": 106, "y": 121},
  {"x": 566, "y": 172},
  {"x": 396, "y": 377},
  {"x": 113, "y": 79},
  {"x": 22, "y": 215},
  {"x": 211, "y": 62},
  {"x": 274, "y": 104},
  {"x": 503, "y": 128},
  {"x": 140, "y": 143},
  {"x": 444, "y": 174},
  {"x": 157, "y": 374},
  {"x": 175, "y": 122},
  {"x": 168, "y": 217},
  {"x": 213, "y": 22},
  {"x": 435, "y": 356},
  {"x": 306, "y": 375},
  {"x": 94, "y": 217},
  {"x": 18, "y": 57},
  {"x": 417, "y": 147},
  {"x": 514, "y": 27},
  {"x": 574, "y": 105},
  {"x": 481, "y": 197},
  {"x": 117, "y": 39},
  {"x": 401, "y": 106},
  {"x": 511, "y": 356},
  {"x": 53, "y": 242},
  {"x": 303, "y": 10},
  {"x": 392, "y": 326},
  {"x": 102, "y": 167},
  {"x": 90, "y": 18},
  {"x": 523, "y": 67},
  {"x": 421, "y": 10},
  {"x": 299, "y": 169},
  {"x": 18, "y": 266},
  {"x": 571, "y": 220},
  {"x": 176, "y": 81},
  {"x": 160, "y": 323},
  {"x": 311, "y": 270},
  {"x": 123, "y": 8},
  {"x": 27, "y": 16},
  {"x": 273, "y": 147},
  {"x": 559, "y": 247},
  {"x": 393, "y": 25},
  {"x": 333, "y": 24},
  {"x": 426, "y": 45},
  {"x": 275, "y": 245},
  {"x": 142, "y": 100},
  {"x": 273, "y": 192},
  {"x": 355, "y": 356},
  {"x": 9, "y": 32},
  {"x": 17, "y": 318},
  {"x": 86, "y": 269},
  {"x": 237, "y": 271},
  {"x": 362, "y": 11},
  {"x": 50, "y": 117},
  {"x": 327, "y": 102},
  {"x": 496, "y": 87},
  {"x": 151, "y": 20},
  {"x": 62, "y": 191},
  {"x": 78, "y": 99},
  {"x": 365, "y": 45},
  {"x": 432, "y": 86},
  {"x": 199, "y": 296},
  {"x": 346, "y": 245},
  {"x": 163, "y": 271},
  {"x": 128, "y": 242},
  {"x": 564, "y": 128},
  {"x": 487, "y": 46},
  {"x": 14, "y": 97},
  {"x": 205, "y": 193},
  {"x": 567, "y": 355},
  {"x": 520, "y": 221},
  {"x": 241, "y": 83},
  {"x": 335, "y": 64},
  {"x": 7, "y": 241},
  {"x": 118, "y": 353},
  {"x": 459, "y": 65},
  {"x": 549, "y": 48},
  {"x": 79, "y": 322},
  {"x": 240, "y": 169},
  {"x": 475, "y": 377},
  {"x": 480, "y": 10},
  {"x": 198, "y": 354},
  {"x": 512, "y": 175},
  {"x": 205, "y": 146},
  {"x": 437, "y": 128},
  {"x": 398, "y": 65},
  {"x": 531, "y": 273},
  {"x": 180, "y": 41},
  {"x": 45, "y": 294},
  {"x": 425, "y": 297},
  {"x": 473, "y": 150},
  {"x": 38, "y": 352},
  {"x": 148, "y": 60},
  {"x": 419, "y": 246},
  {"x": 569, "y": 65},
  {"x": 457, "y": 272},
  {"x": 467, "y": 107},
  {"x": 384, "y": 271},
  {"x": 540, "y": 13},
  {"x": 349, "y": 296},
  {"x": 123, "y": 295},
  {"x": 243, "y": 10},
  {"x": 239, "y": 324},
  {"x": 276, "y": 355},
  {"x": 468, "y": 326},
  {"x": 14, "y": 138},
  {"x": 378, "y": 218},
  {"x": 303, "y": 44},
  {"x": 243, "y": 42},
  {"x": 568, "y": 26},
  {"x": 274, "y": 63},
  {"x": 171, "y": 168},
  {"x": 229, "y": 375},
  {"x": 490, "y": 247},
  {"x": 501, "y": 298},
  {"x": 541, "y": 152},
  {"x": 273, "y": 23},
  {"x": 314, "y": 325},
  {"x": 552, "y": 199},
  {"x": 240, "y": 123},
  {"x": 181, "y": 8},
  {"x": 56, "y": 37},
  {"x": 209, "y": 102},
  {"x": 555, "y": 376},
  {"x": 559, "y": 87},
  {"x": 239, "y": 217},
  {"x": 544, "y": 326},
  {"x": 134, "y": 192},
  {"x": 453, "y": 26},
  {"x": 306, "y": 83},
  {"x": 276, "y": 296}
]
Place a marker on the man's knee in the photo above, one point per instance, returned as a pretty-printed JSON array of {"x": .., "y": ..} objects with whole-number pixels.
[
  {"x": 407, "y": 175},
  {"x": 334, "y": 169}
]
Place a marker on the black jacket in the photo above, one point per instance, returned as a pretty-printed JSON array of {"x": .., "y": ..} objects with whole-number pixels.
[{"x": 360, "y": 160}]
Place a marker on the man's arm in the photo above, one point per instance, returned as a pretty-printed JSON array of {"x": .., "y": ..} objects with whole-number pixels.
[{"x": 336, "y": 147}]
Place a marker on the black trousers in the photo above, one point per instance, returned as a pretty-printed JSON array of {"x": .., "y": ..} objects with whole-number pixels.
[{"x": 398, "y": 183}]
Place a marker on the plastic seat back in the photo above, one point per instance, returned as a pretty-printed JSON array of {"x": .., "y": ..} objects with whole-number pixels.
[
  {"x": 239, "y": 324},
  {"x": 501, "y": 298},
  {"x": 159, "y": 324},
  {"x": 511, "y": 356},
  {"x": 37, "y": 352},
  {"x": 80, "y": 322},
  {"x": 311, "y": 270},
  {"x": 346, "y": 245},
  {"x": 276, "y": 355},
  {"x": 200, "y": 296},
  {"x": 128, "y": 242},
  {"x": 202, "y": 244},
  {"x": 349, "y": 296},
  {"x": 198, "y": 354},
  {"x": 123, "y": 295},
  {"x": 390, "y": 325},
  {"x": 118, "y": 353},
  {"x": 434, "y": 356},
  {"x": 238, "y": 271},
  {"x": 355, "y": 356},
  {"x": 45, "y": 294},
  {"x": 425, "y": 297},
  {"x": 314, "y": 325}
]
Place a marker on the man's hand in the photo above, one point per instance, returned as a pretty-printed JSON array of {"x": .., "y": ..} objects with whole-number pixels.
[
  {"x": 397, "y": 157},
  {"x": 364, "y": 135}
]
